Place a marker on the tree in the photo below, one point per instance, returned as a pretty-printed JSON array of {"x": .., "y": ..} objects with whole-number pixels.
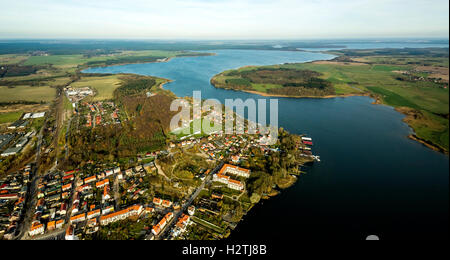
[{"x": 255, "y": 198}]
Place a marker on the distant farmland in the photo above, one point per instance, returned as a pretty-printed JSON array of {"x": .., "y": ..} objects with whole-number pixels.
[{"x": 27, "y": 93}]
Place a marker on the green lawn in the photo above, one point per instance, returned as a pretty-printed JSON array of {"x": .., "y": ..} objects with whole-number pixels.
[{"x": 10, "y": 117}]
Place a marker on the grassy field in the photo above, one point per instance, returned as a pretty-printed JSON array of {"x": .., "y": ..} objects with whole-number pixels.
[
  {"x": 104, "y": 86},
  {"x": 70, "y": 61},
  {"x": 27, "y": 93},
  {"x": 60, "y": 81},
  {"x": 56, "y": 60},
  {"x": 10, "y": 117},
  {"x": 12, "y": 58}
]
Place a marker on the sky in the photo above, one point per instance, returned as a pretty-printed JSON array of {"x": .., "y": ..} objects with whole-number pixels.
[{"x": 223, "y": 19}]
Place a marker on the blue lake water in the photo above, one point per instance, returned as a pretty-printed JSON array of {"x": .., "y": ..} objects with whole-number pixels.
[{"x": 372, "y": 178}]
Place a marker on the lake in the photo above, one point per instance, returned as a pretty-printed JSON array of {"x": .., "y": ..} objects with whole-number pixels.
[{"x": 372, "y": 179}]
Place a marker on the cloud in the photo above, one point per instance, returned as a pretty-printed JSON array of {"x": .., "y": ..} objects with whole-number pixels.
[{"x": 222, "y": 19}]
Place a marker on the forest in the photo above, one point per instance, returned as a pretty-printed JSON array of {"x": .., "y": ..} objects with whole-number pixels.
[
  {"x": 17, "y": 70},
  {"x": 278, "y": 81},
  {"x": 145, "y": 131}
]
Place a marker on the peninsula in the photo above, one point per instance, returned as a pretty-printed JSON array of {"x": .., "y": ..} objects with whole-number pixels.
[{"x": 414, "y": 81}]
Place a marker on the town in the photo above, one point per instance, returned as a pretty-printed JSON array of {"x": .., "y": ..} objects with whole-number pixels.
[
  {"x": 189, "y": 186},
  {"x": 154, "y": 200}
]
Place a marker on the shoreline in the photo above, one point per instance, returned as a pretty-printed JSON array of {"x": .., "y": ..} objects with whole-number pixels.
[
  {"x": 167, "y": 59},
  {"x": 377, "y": 101},
  {"x": 297, "y": 97},
  {"x": 428, "y": 144}
]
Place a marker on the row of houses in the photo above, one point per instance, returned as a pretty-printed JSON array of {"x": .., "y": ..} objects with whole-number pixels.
[
  {"x": 181, "y": 225},
  {"x": 54, "y": 197},
  {"x": 85, "y": 186},
  {"x": 135, "y": 210},
  {"x": 87, "y": 217},
  {"x": 13, "y": 191},
  {"x": 163, "y": 203},
  {"x": 156, "y": 230}
]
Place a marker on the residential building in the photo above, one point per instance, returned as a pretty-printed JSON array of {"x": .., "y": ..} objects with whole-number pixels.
[
  {"x": 36, "y": 229},
  {"x": 231, "y": 169},
  {"x": 121, "y": 215}
]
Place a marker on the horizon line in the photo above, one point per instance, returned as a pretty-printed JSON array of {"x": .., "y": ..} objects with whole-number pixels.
[{"x": 235, "y": 39}]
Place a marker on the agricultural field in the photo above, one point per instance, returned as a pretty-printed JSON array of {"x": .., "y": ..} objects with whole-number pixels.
[
  {"x": 56, "y": 60},
  {"x": 9, "y": 117},
  {"x": 103, "y": 86},
  {"x": 27, "y": 93},
  {"x": 73, "y": 61},
  {"x": 12, "y": 58}
]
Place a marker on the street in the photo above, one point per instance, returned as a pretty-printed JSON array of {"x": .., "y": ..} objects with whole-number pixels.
[{"x": 177, "y": 214}]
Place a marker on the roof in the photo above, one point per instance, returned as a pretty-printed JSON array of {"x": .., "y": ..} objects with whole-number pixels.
[
  {"x": 90, "y": 213},
  {"x": 68, "y": 177},
  {"x": 51, "y": 224},
  {"x": 221, "y": 176},
  {"x": 157, "y": 228},
  {"x": 103, "y": 182},
  {"x": 70, "y": 172},
  {"x": 121, "y": 212},
  {"x": 82, "y": 215},
  {"x": 225, "y": 166},
  {"x": 8, "y": 195},
  {"x": 38, "y": 115},
  {"x": 90, "y": 178},
  {"x": 36, "y": 225},
  {"x": 235, "y": 182},
  {"x": 12, "y": 150}
]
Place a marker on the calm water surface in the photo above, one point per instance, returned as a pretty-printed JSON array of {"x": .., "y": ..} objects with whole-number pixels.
[{"x": 372, "y": 178}]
